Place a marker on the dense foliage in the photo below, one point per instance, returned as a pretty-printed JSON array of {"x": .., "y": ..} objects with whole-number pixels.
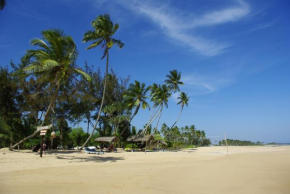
[
  {"x": 47, "y": 87},
  {"x": 234, "y": 142}
]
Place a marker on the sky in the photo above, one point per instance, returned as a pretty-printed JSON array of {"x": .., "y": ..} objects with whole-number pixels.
[{"x": 233, "y": 55}]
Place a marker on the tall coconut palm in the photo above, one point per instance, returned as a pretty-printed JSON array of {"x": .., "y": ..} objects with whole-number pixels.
[
  {"x": 135, "y": 97},
  {"x": 183, "y": 100},
  {"x": 173, "y": 80},
  {"x": 101, "y": 36},
  {"x": 160, "y": 99},
  {"x": 192, "y": 131},
  {"x": 202, "y": 136},
  {"x": 53, "y": 64},
  {"x": 153, "y": 90},
  {"x": 197, "y": 136}
]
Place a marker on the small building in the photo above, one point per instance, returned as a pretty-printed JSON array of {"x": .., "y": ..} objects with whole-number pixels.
[
  {"x": 107, "y": 143},
  {"x": 110, "y": 139},
  {"x": 141, "y": 140}
]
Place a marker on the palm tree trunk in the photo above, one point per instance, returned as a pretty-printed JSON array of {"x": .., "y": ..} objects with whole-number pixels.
[
  {"x": 158, "y": 119},
  {"x": 103, "y": 99},
  {"x": 135, "y": 112},
  {"x": 144, "y": 130},
  {"x": 45, "y": 117},
  {"x": 152, "y": 116},
  {"x": 88, "y": 127},
  {"x": 177, "y": 118}
]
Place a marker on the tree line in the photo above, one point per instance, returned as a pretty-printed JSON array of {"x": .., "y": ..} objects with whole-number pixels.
[
  {"x": 47, "y": 86},
  {"x": 235, "y": 142}
]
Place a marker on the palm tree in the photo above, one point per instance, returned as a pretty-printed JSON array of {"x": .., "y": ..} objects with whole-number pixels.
[
  {"x": 2, "y": 4},
  {"x": 183, "y": 100},
  {"x": 104, "y": 29},
  {"x": 202, "y": 136},
  {"x": 197, "y": 136},
  {"x": 52, "y": 64},
  {"x": 192, "y": 131},
  {"x": 160, "y": 99},
  {"x": 135, "y": 97},
  {"x": 173, "y": 81},
  {"x": 153, "y": 90}
]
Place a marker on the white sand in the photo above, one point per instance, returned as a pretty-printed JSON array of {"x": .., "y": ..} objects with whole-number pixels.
[{"x": 257, "y": 170}]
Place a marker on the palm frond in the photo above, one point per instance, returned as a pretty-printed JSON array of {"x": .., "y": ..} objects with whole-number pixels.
[
  {"x": 2, "y": 4},
  {"x": 85, "y": 75},
  {"x": 40, "y": 43},
  {"x": 95, "y": 44},
  {"x": 119, "y": 43}
]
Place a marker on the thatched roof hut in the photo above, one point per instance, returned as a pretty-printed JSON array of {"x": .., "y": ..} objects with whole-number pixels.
[
  {"x": 140, "y": 138},
  {"x": 107, "y": 139}
]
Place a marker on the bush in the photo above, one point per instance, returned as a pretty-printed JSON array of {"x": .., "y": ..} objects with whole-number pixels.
[
  {"x": 131, "y": 145},
  {"x": 206, "y": 142},
  {"x": 31, "y": 143},
  {"x": 78, "y": 136},
  {"x": 169, "y": 144},
  {"x": 191, "y": 146},
  {"x": 178, "y": 144}
]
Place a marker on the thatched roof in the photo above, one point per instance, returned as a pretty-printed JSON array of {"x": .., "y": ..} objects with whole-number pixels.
[
  {"x": 107, "y": 139},
  {"x": 140, "y": 138}
]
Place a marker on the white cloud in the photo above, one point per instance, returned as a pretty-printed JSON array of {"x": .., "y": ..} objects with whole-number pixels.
[
  {"x": 223, "y": 16},
  {"x": 179, "y": 26},
  {"x": 199, "y": 85},
  {"x": 260, "y": 27}
]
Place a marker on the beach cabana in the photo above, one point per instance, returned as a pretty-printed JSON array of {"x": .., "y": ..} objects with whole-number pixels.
[
  {"x": 141, "y": 140},
  {"x": 110, "y": 141}
]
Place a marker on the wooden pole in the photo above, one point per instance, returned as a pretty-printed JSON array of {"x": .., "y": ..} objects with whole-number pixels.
[
  {"x": 41, "y": 146},
  {"x": 145, "y": 147},
  {"x": 226, "y": 144}
]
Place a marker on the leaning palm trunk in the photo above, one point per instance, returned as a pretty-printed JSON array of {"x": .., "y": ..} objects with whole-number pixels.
[
  {"x": 145, "y": 129},
  {"x": 158, "y": 119},
  {"x": 103, "y": 99},
  {"x": 135, "y": 113},
  {"x": 177, "y": 118},
  {"x": 159, "y": 114},
  {"x": 45, "y": 117},
  {"x": 174, "y": 122}
]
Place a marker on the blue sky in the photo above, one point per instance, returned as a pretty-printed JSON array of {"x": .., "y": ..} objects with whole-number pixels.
[{"x": 233, "y": 55}]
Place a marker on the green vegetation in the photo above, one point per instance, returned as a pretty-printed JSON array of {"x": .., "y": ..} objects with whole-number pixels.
[
  {"x": 102, "y": 36},
  {"x": 187, "y": 136},
  {"x": 47, "y": 87},
  {"x": 234, "y": 142}
]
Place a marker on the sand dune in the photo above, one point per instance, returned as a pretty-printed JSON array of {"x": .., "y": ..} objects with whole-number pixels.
[{"x": 257, "y": 170}]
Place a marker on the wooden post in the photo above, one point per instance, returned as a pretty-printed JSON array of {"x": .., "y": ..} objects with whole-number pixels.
[
  {"x": 43, "y": 130},
  {"x": 41, "y": 146},
  {"x": 145, "y": 147},
  {"x": 226, "y": 144}
]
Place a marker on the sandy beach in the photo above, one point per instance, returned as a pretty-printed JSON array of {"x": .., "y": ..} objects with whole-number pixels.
[{"x": 206, "y": 170}]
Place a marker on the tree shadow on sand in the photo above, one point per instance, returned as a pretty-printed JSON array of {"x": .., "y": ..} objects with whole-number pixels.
[
  {"x": 55, "y": 152},
  {"x": 89, "y": 158}
]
